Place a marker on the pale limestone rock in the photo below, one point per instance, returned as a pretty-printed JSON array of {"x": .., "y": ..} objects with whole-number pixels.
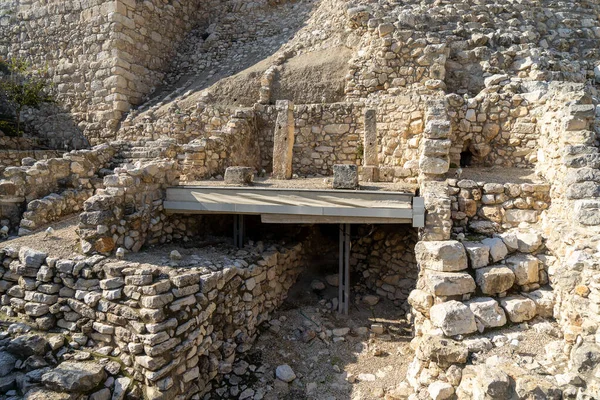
[
  {"x": 494, "y": 279},
  {"x": 525, "y": 267},
  {"x": 446, "y": 256},
  {"x": 453, "y": 317},
  {"x": 519, "y": 308},
  {"x": 488, "y": 312},
  {"x": 449, "y": 283},
  {"x": 479, "y": 254},
  {"x": 498, "y": 250}
]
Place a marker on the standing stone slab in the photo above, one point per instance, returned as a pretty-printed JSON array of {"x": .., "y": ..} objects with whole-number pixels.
[
  {"x": 283, "y": 140},
  {"x": 370, "y": 143}
]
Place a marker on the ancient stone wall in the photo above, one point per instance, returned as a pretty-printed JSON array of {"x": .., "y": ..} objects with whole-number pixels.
[
  {"x": 487, "y": 208},
  {"x": 128, "y": 212},
  {"x": 104, "y": 56},
  {"x": 394, "y": 58},
  {"x": 14, "y": 158},
  {"x": 176, "y": 329},
  {"x": 75, "y": 170},
  {"x": 385, "y": 261}
]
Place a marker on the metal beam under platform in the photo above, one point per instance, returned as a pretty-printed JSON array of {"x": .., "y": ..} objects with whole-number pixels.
[{"x": 299, "y": 205}]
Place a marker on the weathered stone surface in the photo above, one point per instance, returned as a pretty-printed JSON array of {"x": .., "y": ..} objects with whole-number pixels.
[
  {"x": 528, "y": 241},
  {"x": 498, "y": 250},
  {"x": 449, "y": 283},
  {"x": 283, "y": 140},
  {"x": 446, "y": 256},
  {"x": 531, "y": 387},
  {"x": 518, "y": 308},
  {"x": 31, "y": 258},
  {"x": 285, "y": 373},
  {"x": 7, "y": 363},
  {"x": 525, "y": 267},
  {"x": 239, "y": 175},
  {"x": 494, "y": 279},
  {"x": 440, "y": 390},
  {"x": 345, "y": 176},
  {"x": 453, "y": 317},
  {"x": 487, "y": 311},
  {"x": 479, "y": 254},
  {"x": 28, "y": 345},
  {"x": 442, "y": 351},
  {"x": 72, "y": 376},
  {"x": 420, "y": 300}
]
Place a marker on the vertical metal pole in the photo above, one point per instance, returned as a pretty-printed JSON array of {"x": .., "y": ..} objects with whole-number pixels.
[
  {"x": 347, "y": 269},
  {"x": 235, "y": 231},
  {"x": 341, "y": 271},
  {"x": 242, "y": 228}
]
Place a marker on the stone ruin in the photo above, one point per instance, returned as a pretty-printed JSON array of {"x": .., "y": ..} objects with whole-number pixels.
[{"x": 488, "y": 111}]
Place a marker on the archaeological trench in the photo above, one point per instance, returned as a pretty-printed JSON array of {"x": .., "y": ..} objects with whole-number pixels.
[{"x": 434, "y": 161}]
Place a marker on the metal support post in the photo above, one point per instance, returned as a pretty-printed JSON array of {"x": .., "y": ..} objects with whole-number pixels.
[
  {"x": 344, "y": 269},
  {"x": 238, "y": 230}
]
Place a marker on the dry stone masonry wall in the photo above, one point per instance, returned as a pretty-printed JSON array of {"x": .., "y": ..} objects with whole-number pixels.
[{"x": 173, "y": 330}]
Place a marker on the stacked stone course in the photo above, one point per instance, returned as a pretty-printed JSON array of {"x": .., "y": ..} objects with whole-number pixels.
[{"x": 176, "y": 330}]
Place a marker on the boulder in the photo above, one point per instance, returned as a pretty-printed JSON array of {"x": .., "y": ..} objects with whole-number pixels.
[
  {"x": 449, "y": 283},
  {"x": 239, "y": 175},
  {"x": 585, "y": 358},
  {"x": 486, "y": 382},
  {"x": 487, "y": 311},
  {"x": 442, "y": 351},
  {"x": 445, "y": 256},
  {"x": 439, "y": 390},
  {"x": 498, "y": 249},
  {"x": 73, "y": 376},
  {"x": 28, "y": 345},
  {"x": 525, "y": 267},
  {"x": 518, "y": 308},
  {"x": 494, "y": 279},
  {"x": 453, "y": 318},
  {"x": 7, "y": 363},
  {"x": 479, "y": 254},
  {"x": 533, "y": 387},
  {"x": 528, "y": 241},
  {"x": 544, "y": 302},
  {"x": 31, "y": 258},
  {"x": 420, "y": 301}
]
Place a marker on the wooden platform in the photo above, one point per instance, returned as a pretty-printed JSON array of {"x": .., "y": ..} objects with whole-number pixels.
[{"x": 298, "y": 206}]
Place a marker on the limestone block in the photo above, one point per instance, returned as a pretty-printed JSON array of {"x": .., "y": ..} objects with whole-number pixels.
[
  {"x": 345, "y": 176},
  {"x": 239, "y": 175},
  {"x": 434, "y": 165},
  {"x": 494, "y": 279},
  {"x": 453, "y": 318},
  {"x": 439, "y": 390},
  {"x": 487, "y": 311},
  {"x": 370, "y": 174},
  {"x": 544, "y": 301},
  {"x": 519, "y": 308},
  {"x": 587, "y": 212},
  {"x": 420, "y": 301},
  {"x": 437, "y": 129},
  {"x": 446, "y": 256},
  {"x": 435, "y": 147},
  {"x": 525, "y": 267},
  {"x": 442, "y": 351},
  {"x": 479, "y": 254},
  {"x": 449, "y": 283},
  {"x": 515, "y": 216},
  {"x": 498, "y": 250}
]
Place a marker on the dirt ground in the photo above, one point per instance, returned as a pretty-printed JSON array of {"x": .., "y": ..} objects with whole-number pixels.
[
  {"x": 329, "y": 363},
  {"x": 63, "y": 242}
]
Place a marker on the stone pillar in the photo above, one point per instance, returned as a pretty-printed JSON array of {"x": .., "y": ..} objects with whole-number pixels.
[
  {"x": 370, "y": 143},
  {"x": 435, "y": 145},
  {"x": 283, "y": 140}
]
